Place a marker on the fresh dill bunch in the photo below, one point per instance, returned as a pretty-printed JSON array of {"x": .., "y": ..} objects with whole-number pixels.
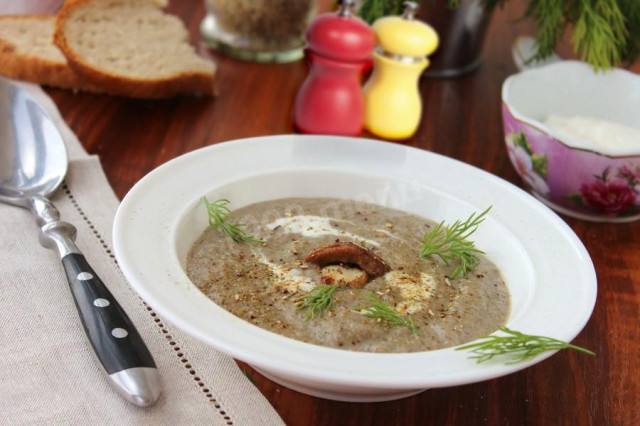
[
  {"x": 605, "y": 32},
  {"x": 450, "y": 243},
  {"x": 379, "y": 310},
  {"x": 220, "y": 217},
  {"x": 318, "y": 300},
  {"x": 519, "y": 346}
]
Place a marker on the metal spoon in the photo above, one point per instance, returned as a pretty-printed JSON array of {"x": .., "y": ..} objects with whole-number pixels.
[{"x": 33, "y": 163}]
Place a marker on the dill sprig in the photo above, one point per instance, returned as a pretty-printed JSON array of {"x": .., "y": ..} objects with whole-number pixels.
[
  {"x": 519, "y": 346},
  {"x": 379, "y": 310},
  {"x": 318, "y": 300},
  {"x": 249, "y": 376},
  {"x": 450, "y": 243},
  {"x": 220, "y": 217}
]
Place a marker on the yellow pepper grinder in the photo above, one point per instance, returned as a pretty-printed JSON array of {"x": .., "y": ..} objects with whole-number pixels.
[{"x": 392, "y": 99}]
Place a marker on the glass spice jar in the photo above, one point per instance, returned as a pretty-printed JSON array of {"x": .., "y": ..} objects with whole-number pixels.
[{"x": 258, "y": 30}]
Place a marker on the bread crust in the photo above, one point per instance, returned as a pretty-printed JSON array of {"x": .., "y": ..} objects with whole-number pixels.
[
  {"x": 194, "y": 82},
  {"x": 36, "y": 69}
]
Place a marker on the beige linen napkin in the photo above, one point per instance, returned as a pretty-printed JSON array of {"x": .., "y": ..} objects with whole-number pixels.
[{"x": 48, "y": 372}]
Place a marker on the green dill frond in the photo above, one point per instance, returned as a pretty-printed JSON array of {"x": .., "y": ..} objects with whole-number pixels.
[
  {"x": 318, "y": 300},
  {"x": 604, "y": 32},
  {"x": 379, "y": 310},
  {"x": 450, "y": 243},
  {"x": 599, "y": 33},
  {"x": 220, "y": 219},
  {"x": 520, "y": 347},
  {"x": 248, "y": 376},
  {"x": 550, "y": 22}
]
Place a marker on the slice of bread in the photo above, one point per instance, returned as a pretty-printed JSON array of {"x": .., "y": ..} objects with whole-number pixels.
[
  {"x": 27, "y": 53},
  {"x": 131, "y": 48}
]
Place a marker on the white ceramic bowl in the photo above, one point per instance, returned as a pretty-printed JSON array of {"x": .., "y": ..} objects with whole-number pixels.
[
  {"x": 600, "y": 183},
  {"x": 548, "y": 271}
]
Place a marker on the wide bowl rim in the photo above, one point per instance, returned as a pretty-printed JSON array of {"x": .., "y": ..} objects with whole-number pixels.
[{"x": 301, "y": 369}]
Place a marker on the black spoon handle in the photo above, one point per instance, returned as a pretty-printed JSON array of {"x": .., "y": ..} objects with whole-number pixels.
[
  {"x": 114, "y": 338},
  {"x": 110, "y": 331}
]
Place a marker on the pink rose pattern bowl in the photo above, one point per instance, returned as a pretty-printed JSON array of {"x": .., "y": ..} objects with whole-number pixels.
[{"x": 577, "y": 182}]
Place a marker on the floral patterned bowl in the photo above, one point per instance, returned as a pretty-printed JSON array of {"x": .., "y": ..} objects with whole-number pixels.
[{"x": 571, "y": 176}]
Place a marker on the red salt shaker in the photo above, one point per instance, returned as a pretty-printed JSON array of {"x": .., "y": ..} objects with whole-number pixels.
[{"x": 339, "y": 49}]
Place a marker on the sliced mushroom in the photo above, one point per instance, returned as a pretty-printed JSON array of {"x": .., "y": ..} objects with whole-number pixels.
[
  {"x": 343, "y": 275},
  {"x": 349, "y": 253}
]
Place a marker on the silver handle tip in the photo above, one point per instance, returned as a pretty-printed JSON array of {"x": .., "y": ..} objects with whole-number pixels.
[{"x": 140, "y": 386}]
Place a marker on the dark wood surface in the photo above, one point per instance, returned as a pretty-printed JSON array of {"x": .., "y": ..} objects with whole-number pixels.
[{"x": 462, "y": 120}]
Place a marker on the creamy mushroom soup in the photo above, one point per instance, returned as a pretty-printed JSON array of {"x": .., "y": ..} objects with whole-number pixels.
[{"x": 305, "y": 246}]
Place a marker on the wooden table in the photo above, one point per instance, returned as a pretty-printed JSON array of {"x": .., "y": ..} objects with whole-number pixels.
[{"x": 462, "y": 120}]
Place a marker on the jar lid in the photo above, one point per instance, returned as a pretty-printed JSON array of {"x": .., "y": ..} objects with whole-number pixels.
[
  {"x": 341, "y": 36},
  {"x": 404, "y": 35}
]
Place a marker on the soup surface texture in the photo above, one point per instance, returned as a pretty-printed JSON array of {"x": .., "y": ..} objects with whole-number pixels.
[{"x": 264, "y": 283}]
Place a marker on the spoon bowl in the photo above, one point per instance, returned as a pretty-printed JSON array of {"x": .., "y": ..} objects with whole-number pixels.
[{"x": 33, "y": 157}]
